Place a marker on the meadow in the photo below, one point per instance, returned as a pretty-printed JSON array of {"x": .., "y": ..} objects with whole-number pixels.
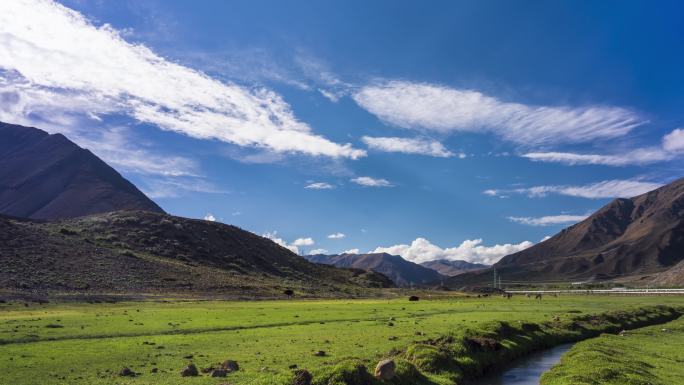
[
  {"x": 89, "y": 343},
  {"x": 648, "y": 356}
]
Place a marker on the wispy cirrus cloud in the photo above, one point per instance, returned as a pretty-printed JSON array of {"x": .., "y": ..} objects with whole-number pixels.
[
  {"x": 615, "y": 188},
  {"x": 372, "y": 182},
  {"x": 421, "y": 146},
  {"x": 116, "y": 146},
  {"x": 438, "y": 108},
  {"x": 48, "y": 52},
  {"x": 472, "y": 250},
  {"x": 672, "y": 147},
  {"x": 175, "y": 187},
  {"x": 549, "y": 220}
]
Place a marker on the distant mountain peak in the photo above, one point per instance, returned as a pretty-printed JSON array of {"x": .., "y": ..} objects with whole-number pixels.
[
  {"x": 47, "y": 176},
  {"x": 451, "y": 268},
  {"x": 399, "y": 270}
]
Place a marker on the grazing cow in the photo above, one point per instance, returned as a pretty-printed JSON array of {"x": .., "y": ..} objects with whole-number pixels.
[{"x": 538, "y": 296}]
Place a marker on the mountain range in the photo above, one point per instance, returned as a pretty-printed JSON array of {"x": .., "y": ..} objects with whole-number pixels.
[
  {"x": 451, "y": 268},
  {"x": 68, "y": 221},
  {"x": 639, "y": 238},
  {"x": 400, "y": 271}
]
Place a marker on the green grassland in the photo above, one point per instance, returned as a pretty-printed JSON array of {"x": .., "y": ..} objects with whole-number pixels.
[
  {"x": 648, "y": 356},
  {"x": 440, "y": 340}
]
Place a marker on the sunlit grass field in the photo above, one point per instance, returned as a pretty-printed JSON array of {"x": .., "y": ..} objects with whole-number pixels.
[
  {"x": 82, "y": 343},
  {"x": 647, "y": 356}
]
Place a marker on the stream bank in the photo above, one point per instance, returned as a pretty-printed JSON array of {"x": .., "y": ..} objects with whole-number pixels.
[{"x": 470, "y": 353}]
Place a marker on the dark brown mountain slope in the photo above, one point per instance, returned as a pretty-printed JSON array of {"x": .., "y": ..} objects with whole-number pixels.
[
  {"x": 139, "y": 251},
  {"x": 399, "y": 270},
  {"x": 643, "y": 235},
  {"x": 46, "y": 176},
  {"x": 451, "y": 268}
]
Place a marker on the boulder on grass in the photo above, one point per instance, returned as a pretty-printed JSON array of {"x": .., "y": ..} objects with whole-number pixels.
[
  {"x": 230, "y": 366},
  {"x": 190, "y": 371},
  {"x": 302, "y": 377},
  {"x": 385, "y": 370}
]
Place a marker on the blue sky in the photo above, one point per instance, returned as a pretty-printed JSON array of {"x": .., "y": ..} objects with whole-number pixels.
[{"x": 461, "y": 130}]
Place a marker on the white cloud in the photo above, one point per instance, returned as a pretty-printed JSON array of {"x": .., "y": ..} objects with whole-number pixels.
[
  {"x": 275, "y": 238},
  {"x": 672, "y": 148},
  {"x": 674, "y": 141},
  {"x": 303, "y": 242},
  {"x": 615, "y": 188},
  {"x": 408, "y": 146},
  {"x": 491, "y": 192},
  {"x": 422, "y": 250},
  {"x": 351, "y": 251},
  {"x": 318, "y": 251},
  {"x": 330, "y": 95},
  {"x": 336, "y": 236},
  {"x": 319, "y": 186},
  {"x": 371, "y": 182},
  {"x": 54, "y": 58},
  {"x": 210, "y": 217},
  {"x": 443, "y": 109},
  {"x": 549, "y": 220}
]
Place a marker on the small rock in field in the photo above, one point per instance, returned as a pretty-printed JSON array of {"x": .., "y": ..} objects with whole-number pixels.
[
  {"x": 302, "y": 377},
  {"x": 385, "y": 370},
  {"x": 154, "y": 370},
  {"x": 320, "y": 353},
  {"x": 219, "y": 373},
  {"x": 293, "y": 366},
  {"x": 126, "y": 372},
  {"x": 393, "y": 338},
  {"x": 188, "y": 357},
  {"x": 189, "y": 371},
  {"x": 390, "y": 324},
  {"x": 230, "y": 366}
]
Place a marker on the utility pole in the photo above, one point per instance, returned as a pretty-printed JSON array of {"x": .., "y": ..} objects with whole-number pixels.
[{"x": 494, "y": 286}]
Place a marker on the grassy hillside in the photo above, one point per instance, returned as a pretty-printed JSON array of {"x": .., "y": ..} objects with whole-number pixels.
[
  {"x": 81, "y": 343},
  {"x": 138, "y": 251},
  {"x": 648, "y": 356}
]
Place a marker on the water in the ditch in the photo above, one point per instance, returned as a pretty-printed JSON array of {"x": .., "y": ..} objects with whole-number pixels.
[{"x": 527, "y": 370}]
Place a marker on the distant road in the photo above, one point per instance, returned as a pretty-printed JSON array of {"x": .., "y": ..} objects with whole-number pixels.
[{"x": 602, "y": 291}]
